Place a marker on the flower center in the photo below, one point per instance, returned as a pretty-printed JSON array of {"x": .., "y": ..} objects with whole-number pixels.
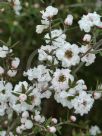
[
  {"x": 62, "y": 78},
  {"x": 68, "y": 54}
]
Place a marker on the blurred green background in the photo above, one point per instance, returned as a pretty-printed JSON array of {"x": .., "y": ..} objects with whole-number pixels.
[{"x": 22, "y": 28}]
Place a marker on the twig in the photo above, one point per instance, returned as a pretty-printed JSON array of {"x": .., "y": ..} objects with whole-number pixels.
[{"x": 71, "y": 124}]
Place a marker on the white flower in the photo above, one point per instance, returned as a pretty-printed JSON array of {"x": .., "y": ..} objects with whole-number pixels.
[
  {"x": 25, "y": 114},
  {"x": 40, "y": 73},
  {"x": 19, "y": 86},
  {"x": 40, "y": 28},
  {"x": 89, "y": 20},
  {"x": 28, "y": 124},
  {"x": 68, "y": 55},
  {"x": 12, "y": 73},
  {"x": 89, "y": 58},
  {"x": 85, "y": 24},
  {"x": 58, "y": 37},
  {"x": 94, "y": 130},
  {"x": 61, "y": 79},
  {"x": 87, "y": 38},
  {"x": 2, "y": 133},
  {"x": 38, "y": 117},
  {"x": 82, "y": 103},
  {"x": 4, "y": 50},
  {"x": 51, "y": 129},
  {"x": 63, "y": 99},
  {"x": 16, "y": 6},
  {"x": 1, "y": 70},
  {"x": 49, "y": 12},
  {"x": 69, "y": 20},
  {"x": 15, "y": 62},
  {"x": 45, "y": 53}
]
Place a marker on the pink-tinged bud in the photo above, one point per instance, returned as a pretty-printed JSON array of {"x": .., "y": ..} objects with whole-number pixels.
[
  {"x": 51, "y": 129},
  {"x": 73, "y": 118},
  {"x": 54, "y": 120},
  {"x": 15, "y": 62},
  {"x": 87, "y": 38},
  {"x": 23, "y": 97},
  {"x": 97, "y": 95},
  {"x": 69, "y": 20}
]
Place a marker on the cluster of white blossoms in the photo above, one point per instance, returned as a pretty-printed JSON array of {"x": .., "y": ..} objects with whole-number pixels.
[
  {"x": 61, "y": 56},
  {"x": 16, "y": 4},
  {"x": 90, "y": 20},
  {"x": 54, "y": 77},
  {"x": 11, "y": 62},
  {"x": 46, "y": 15}
]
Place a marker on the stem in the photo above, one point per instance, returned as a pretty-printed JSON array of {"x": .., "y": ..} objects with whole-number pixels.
[
  {"x": 12, "y": 126},
  {"x": 96, "y": 46},
  {"x": 50, "y": 32},
  {"x": 71, "y": 124},
  {"x": 79, "y": 66}
]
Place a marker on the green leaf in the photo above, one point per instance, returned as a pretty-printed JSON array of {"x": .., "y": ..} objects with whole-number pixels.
[
  {"x": 9, "y": 42},
  {"x": 42, "y": 1}
]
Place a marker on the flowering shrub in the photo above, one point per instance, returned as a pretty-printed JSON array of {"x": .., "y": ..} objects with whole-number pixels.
[{"x": 54, "y": 76}]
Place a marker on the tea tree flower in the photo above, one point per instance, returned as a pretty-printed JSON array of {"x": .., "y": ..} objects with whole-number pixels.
[
  {"x": 28, "y": 124},
  {"x": 49, "y": 12},
  {"x": 89, "y": 58},
  {"x": 41, "y": 28},
  {"x": 38, "y": 117},
  {"x": 82, "y": 103},
  {"x": 45, "y": 53},
  {"x": 68, "y": 54},
  {"x": 88, "y": 21},
  {"x": 4, "y": 50},
  {"x": 58, "y": 37},
  {"x": 16, "y": 6},
  {"x": 61, "y": 79},
  {"x": 40, "y": 73},
  {"x": 94, "y": 130}
]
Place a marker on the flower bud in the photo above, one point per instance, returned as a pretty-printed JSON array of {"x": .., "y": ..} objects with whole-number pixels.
[
  {"x": 22, "y": 97},
  {"x": 73, "y": 118},
  {"x": 69, "y": 20},
  {"x": 15, "y": 62},
  {"x": 87, "y": 38},
  {"x": 97, "y": 95},
  {"x": 52, "y": 129},
  {"x": 54, "y": 120}
]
